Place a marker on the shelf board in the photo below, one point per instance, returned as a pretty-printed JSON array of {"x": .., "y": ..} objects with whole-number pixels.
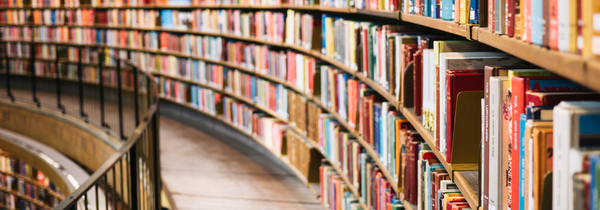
[
  {"x": 468, "y": 183},
  {"x": 393, "y": 15},
  {"x": 439, "y": 24}
]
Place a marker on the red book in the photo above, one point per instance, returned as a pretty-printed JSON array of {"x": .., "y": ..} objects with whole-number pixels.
[
  {"x": 418, "y": 83},
  {"x": 456, "y": 82},
  {"x": 510, "y": 17},
  {"x": 553, "y": 98}
]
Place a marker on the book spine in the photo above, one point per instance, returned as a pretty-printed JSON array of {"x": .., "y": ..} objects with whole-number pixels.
[
  {"x": 510, "y": 17},
  {"x": 517, "y": 103}
]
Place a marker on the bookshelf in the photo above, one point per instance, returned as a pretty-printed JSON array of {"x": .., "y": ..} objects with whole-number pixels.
[{"x": 574, "y": 67}]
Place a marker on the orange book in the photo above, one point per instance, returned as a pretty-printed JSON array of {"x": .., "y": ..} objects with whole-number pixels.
[{"x": 457, "y": 11}]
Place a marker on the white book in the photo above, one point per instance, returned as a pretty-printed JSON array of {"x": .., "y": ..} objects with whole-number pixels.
[
  {"x": 572, "y": 118},
  {"x": 563, "y": 25},
  {"x": 496, "y": 100},
  {"x": 432, "y": 93},
  {"x": 425, "y": 89},
  {"x": 384, "y": 110},
  {"x": 465, "y": 60}
]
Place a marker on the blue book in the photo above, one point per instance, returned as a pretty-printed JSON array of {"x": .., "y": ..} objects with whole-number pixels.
[
  {"x": 474, "y": 12},
  {"x": 521, "y": 166},
  {"x": 594, "y": 167},
  {"x": 447, "y": 9},
  {"x": 376, "y": 131},
  {"x": 427, "y": 8},
  {"x": 324, "y": 35},
  {"x": 435, "y": 9},
  {"x": 253, "y": 88},
  {"x": 194, "y": 95},
  {"x": 537, "y": 19}
]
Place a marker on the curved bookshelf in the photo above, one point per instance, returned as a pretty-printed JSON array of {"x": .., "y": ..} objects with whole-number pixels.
[
  {"x": 406, "y": 111},
  {"x": 316, "y": 54},
  {"x": 34, "y": 182}
]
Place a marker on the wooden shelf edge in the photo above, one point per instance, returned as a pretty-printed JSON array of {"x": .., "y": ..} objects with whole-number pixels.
[{"x": 466, "y": 190}]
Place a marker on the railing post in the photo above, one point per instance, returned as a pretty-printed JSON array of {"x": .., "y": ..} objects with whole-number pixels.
[
  {"x": 134, "y": 177},
  {"x": 32, "y": 68},
  {"x": 10, "y": 95},
  {"x": 56, "y": 65},
  {"x": 101, "y": 77},
  {"x": 80, "y": 78},
  {"x": 156, "y": 154},
  {"x": 120, "y": 95},
  {"x": 136, "y": 93},
  {"x": 148, "y": 95}
]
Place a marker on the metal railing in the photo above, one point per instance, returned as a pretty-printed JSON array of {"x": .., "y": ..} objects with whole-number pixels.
[{"x": 101, "y": 87}]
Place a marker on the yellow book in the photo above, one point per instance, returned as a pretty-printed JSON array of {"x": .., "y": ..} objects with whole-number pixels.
[
  {"x": 329, "y": 36},
  {"x": 573, "y": 26},
  {"x": 465, "y": 6},
  {"x": 587, "y": 28}
]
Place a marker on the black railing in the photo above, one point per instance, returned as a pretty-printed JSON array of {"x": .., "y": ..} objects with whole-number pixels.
[{"x": 103, "y": 88}]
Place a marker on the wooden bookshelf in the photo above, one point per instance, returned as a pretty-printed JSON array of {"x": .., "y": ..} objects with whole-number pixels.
[
  {"x": 34, "y": 182},
  {"x": 335, "y": 167},
  {"x": 27, "y": 198}
]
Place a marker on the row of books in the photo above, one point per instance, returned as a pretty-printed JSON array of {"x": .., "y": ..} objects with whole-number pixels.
[
  {"x": 52, "y": 16},
  {"x": 118, "y": 3},
  {"x": 458, "y": 11},
  {"x": 365, "y": 47},
  {"x": 90, "y": 74},
  {"x": 301, "y": 29},
  {"x": 359, "y": 4},
  {"x": 263, "y": 25},
  {"x": 379, "y": 5},
  {"x": 18, "y": 176},
  {"x": 562, "y": 25}
]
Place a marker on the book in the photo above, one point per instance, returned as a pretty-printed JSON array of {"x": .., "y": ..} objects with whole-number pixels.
[{"x": 569, "y": 142}]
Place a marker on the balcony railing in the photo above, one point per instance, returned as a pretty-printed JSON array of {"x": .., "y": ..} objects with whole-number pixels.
[{"x": 103, "y": 88}]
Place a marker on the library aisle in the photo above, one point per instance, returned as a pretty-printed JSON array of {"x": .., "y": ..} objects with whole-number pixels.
[{"x": 202, "y": 172}]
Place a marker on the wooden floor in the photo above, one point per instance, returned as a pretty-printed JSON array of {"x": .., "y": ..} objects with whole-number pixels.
[{"x": 202, "y": 172}]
